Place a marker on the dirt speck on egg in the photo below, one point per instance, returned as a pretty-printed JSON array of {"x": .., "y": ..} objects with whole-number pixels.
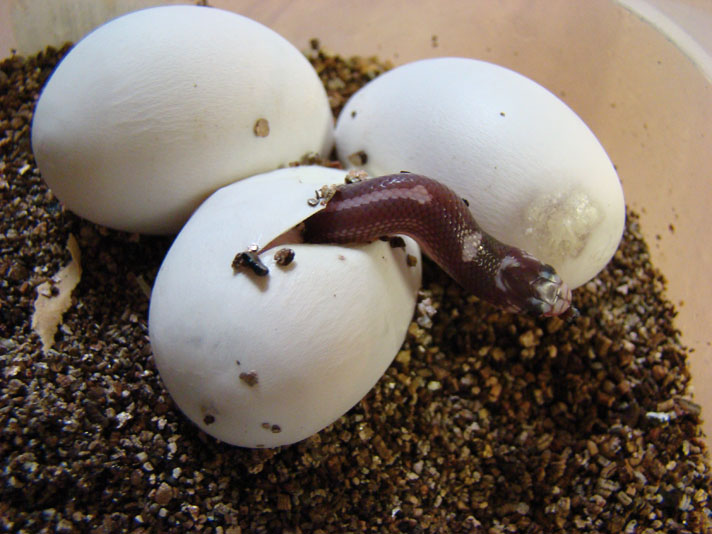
[
  {"x": 250, "y": 378},
  {"x": 261, "y": 128},
  {"x": 358, "y": 158},
  {"x": 209, "y": 419},
  {"x": 284, "y": 256}
]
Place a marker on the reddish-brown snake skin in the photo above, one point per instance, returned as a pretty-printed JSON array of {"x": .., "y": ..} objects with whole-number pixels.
[{"x": 445, "y": 229}]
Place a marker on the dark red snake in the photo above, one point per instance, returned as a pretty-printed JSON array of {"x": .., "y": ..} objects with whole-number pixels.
[{"x": 445, "y": 229}]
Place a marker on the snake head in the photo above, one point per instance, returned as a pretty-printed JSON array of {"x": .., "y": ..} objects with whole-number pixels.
[{"x": 528, "y": 285}]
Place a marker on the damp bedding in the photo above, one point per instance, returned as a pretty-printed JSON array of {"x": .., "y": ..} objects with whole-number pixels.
[{"x": 485, "y": 421}]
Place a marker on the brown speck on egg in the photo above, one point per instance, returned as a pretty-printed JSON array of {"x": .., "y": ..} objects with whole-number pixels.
[
  {"x": 411, "y": 260},
  {"x": 261, "y": 127},
  {"x": 284, "y": 256},
  {"x": 209, "y": 419},
  {"x": 358, "y": 158},
  {"x": 250, "y": 378}
]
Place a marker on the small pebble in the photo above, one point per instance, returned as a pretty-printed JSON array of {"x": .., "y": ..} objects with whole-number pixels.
[{"x": 164, "y": 494}]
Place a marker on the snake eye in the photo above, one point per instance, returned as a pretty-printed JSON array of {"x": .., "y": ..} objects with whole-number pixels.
[{"x": 547, "y": 288}]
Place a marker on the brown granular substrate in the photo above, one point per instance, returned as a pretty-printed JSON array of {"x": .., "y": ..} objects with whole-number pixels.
[{"x": 486, "y": 422}]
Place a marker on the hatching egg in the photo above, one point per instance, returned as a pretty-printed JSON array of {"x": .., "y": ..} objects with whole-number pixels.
[
  {"x": 534, "y": 174},
  {"x": 270, "y": 360},
  {"x": 153, "y": 111}
]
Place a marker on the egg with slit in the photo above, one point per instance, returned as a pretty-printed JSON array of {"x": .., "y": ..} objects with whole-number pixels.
[{"x": 263, "y": 361}]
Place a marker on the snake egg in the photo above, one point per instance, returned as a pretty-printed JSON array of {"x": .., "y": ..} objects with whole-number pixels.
[
  {"x": 153, "y": 111},
  {"x": 270, "y": 360},
  {"x": 534, "y": 174}
]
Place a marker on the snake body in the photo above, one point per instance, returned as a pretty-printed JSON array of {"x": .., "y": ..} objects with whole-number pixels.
[{"x": 442, "y": 224}]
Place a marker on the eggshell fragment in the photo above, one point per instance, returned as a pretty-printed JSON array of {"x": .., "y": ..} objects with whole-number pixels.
[
  {"x": 155, "y": 110},
  {"x": 268, "y": 361},
  {"x": 534, "y": 174}
]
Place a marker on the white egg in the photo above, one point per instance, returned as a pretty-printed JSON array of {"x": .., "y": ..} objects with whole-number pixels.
[
  {"x": 155, "y": 110},
  {"x": 534, "y": 174},
  {"x": 269, "y": 361}
]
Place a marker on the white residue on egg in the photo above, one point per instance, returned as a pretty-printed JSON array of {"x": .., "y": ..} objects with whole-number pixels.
[{"x": 560, "y": 224}]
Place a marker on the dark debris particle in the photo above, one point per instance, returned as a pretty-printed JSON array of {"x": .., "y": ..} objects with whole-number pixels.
[
  {"x": 275, "y": 429},
  {"x": 573, "y": 428},
  {"x": 358, "y": 158},
  {"x": 411, "y": 260},
  {"x": 209, "y": 419},
  {"x": 250, "y": 378},
  {"x": 396, "y": 242},
  {"x": 284, "y": 256},
  {"x": 249, "y": 260}
]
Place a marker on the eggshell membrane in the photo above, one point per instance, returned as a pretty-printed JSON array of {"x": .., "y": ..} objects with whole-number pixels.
[
  {"x": 534, "y": 174},
  {"x": 318, "y": 334},
  {"x": 155, "y": 110}
]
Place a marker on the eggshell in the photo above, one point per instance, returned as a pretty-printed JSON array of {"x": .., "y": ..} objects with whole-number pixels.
[
  {"x": 155, "y": 110},
  {"x": 315, "y": 335},
  {"x": 534, "y": 174}
]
